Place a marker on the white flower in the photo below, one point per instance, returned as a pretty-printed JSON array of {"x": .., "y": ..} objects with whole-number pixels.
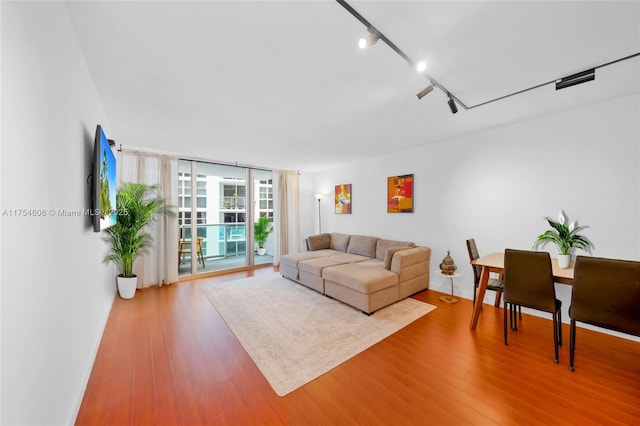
[
  {"x": 572, "y": 226},
  {"x": 561, "y": 218}
]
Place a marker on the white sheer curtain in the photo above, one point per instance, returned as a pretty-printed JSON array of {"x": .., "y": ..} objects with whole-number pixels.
[
  {"x": 286, "y": 214},
  {"x": 160, "y": 265}
]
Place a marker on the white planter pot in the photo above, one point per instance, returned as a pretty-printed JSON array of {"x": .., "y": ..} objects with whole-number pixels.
[
  {"x": 127, "y": 286},
  {"x": 262, "y": 251},
  {"x": 564, "y": 260}
]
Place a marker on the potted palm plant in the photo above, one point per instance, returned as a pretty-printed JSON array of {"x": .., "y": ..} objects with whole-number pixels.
[
  {"x": 136, "y": 207},
  {"x": 261, "y": 230},
  {"x": 565, "y": 238}
]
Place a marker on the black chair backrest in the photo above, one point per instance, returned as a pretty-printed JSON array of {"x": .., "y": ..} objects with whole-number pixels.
[
  {"x": 606, "y": 293},
  {"x": 473, "y": 255},
  {"x": 528, "y": 279}
]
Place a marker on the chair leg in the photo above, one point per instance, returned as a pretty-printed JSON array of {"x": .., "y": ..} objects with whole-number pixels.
[
  {"x": 519, "y": 311},
  {"x": 506, "y": 307},
  {"x": 475, "y": 288},
  {"x": 510, "y": 317},
  {"x": 559, "y": 327},
  {"x": 572, "y": 343},
  {"x": 496, "y": 303},
  {"x": 555, "y": 338}
]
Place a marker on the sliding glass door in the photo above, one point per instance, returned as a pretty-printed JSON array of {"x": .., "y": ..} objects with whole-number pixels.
[
  {"x": 263, "y": 207},
  {"x": 216, "y": 204}
]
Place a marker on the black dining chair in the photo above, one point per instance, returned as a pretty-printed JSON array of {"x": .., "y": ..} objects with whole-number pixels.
[
  {"x": 528, "y": 282},
  {"x": 605, "y": 293},
  {"x": 494, "y": 284}
]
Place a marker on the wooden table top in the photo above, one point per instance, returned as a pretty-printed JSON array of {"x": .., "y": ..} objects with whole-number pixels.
[{"x": 495, "y": 263}]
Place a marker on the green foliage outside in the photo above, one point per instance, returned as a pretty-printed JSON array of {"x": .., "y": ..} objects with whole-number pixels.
[{"x": 261, "y": 230}]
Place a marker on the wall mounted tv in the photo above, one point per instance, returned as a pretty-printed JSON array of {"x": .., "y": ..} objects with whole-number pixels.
[{"x": 104, "y": 182}]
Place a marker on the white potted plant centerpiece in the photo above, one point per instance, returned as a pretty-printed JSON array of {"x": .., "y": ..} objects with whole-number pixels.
[
  {"x": 565, "y": 238},
  {"x": 136, "y": 207}
]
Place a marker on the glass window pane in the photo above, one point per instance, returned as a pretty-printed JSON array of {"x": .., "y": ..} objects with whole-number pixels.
[{"x": 221, "y": 212}]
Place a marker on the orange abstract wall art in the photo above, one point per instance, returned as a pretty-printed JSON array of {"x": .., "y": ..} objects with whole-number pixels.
[
  {"x": 400, "y": 194},
  {"x": 343, "y": 199}
]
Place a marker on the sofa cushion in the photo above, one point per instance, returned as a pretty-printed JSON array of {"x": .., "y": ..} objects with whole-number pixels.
[
  {"x": 371, "y": 263},
  {"x": 315, "y": 266},
  {"x": 291, "y": 260},
  {"x": 339, "y": 241},
  {"x": 363, "y": 245},
  {"x": 389, "y": 256},
  {"x": 383, "y": 245},
  {"x": 362, "y": 278},
  {"x": 319, "y": 242}
]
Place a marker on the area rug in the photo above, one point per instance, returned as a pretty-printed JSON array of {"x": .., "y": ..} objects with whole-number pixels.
[{"x": 295, "y": 334}]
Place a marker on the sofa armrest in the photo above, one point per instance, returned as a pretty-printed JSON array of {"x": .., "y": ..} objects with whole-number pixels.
[
  {"x": 388, "y": 256},
  {"x": 408, "y": 257}
]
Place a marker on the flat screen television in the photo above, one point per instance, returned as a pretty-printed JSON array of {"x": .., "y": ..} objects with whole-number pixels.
[{"x": 104, "y": 182}]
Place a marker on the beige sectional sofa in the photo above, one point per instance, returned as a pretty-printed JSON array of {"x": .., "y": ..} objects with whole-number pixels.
[{"x": 365, "y": 272}]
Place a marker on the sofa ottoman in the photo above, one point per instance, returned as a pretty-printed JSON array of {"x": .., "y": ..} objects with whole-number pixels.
[
  {"x": 289, "y": 263},
  {"x": 310, "y": 271},
  {"x": 364, "y": 285}
]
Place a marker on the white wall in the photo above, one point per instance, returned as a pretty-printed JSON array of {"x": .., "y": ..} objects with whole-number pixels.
[
  {"x": 56, "y": 292},
  {"x": 498, "y": 185}
]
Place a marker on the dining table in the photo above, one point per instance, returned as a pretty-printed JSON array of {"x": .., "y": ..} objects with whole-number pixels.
[{"x": 494, "y": 262}]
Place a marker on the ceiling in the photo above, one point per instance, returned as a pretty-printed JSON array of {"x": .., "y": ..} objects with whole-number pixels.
[{"x": 283, "y": 84}]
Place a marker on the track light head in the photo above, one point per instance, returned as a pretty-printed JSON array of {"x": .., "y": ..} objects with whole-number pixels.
[
  {"x": 424, "y": 92},
  {"x": 420, "y": 66},
  {"x": 452, "y": 105},
  {"x": 368, "y": 40}
]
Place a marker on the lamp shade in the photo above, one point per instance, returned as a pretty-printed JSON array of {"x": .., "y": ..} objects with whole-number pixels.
[{"x": 318, "y": 196}]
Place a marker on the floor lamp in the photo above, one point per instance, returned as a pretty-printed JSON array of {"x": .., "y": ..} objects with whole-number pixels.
[{"x": 319, "y": 197}]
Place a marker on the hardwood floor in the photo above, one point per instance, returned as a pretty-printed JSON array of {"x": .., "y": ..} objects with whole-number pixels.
[{"x": 168, "y": 358}]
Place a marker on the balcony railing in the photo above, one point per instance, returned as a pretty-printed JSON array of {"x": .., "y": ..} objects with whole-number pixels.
[
  {"x": 220, "y": 239},
  {"x": 223, "y": 243}
]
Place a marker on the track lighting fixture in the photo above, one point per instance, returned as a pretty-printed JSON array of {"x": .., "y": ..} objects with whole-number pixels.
[
  {"x": 452, "y": 104},
  {"x": 572, "y": 80},
  {"x": 424, "y": 92},
  {"x": 375, "y": 35},
  {"x": 561, "y": 83},
  {"x": 368, "y": 40}
]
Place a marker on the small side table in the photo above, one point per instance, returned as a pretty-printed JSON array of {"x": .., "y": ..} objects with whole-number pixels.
[{"x": 449, "y": 299}]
